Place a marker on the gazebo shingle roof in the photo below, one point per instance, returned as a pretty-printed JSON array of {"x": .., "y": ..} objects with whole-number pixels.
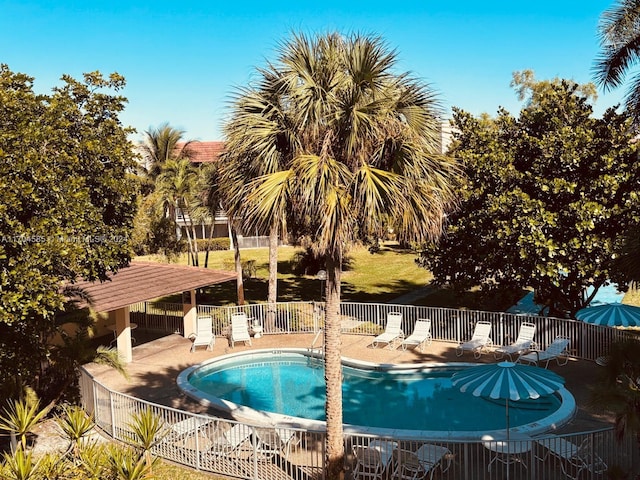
[{"x": 142, "y": 281}]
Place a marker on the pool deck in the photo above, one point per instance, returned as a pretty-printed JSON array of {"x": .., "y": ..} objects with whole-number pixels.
[{"x": 157, "y": 363}]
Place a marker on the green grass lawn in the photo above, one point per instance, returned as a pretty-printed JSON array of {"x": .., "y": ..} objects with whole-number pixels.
[{"x": 369, "y": 277}]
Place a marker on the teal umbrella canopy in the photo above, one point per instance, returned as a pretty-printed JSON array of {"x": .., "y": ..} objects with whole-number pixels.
[
  {"x": 507, "y": 381},
  {"x": 611, "y": 315}
]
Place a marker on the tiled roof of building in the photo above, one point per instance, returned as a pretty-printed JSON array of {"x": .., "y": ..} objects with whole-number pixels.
[
  {"x": 142, "y": 281},
  {"x": 203, "y": 152}
]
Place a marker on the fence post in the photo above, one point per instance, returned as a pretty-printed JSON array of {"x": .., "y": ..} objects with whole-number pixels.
[{"x": 113, "y": 417}]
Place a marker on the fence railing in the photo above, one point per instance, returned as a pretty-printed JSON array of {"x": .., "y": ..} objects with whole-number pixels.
[
  {"x": 587, "y": 341},
  {"x": 258, "y": 452}
]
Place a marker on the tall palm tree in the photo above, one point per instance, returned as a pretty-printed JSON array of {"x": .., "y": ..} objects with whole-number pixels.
[
  {"x": 619, "y": 31},
  {"x": 361, "y": 145},
  {"x": 207, "y": 200},
  {"x": 176, "y": 186},
  {"x": 160, "y": 145},
  {"x": 259, "y": 141}
]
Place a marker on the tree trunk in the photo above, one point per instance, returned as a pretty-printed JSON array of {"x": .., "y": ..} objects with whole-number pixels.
[
  {"x": 208, "y": 244},
  {"x": 333, "y": 373},
  {"x": 273, "y": 278},
  {"x": 238, "y": 264}
]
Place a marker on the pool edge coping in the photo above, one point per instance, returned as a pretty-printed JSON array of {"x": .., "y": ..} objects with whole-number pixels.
[{"x": 559, "y": 418}]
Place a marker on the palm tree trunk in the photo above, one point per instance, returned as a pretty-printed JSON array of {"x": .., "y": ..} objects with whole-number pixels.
[
  {"x": 238, "y": 265},
  {"x": 208, "y": 245},
  {"x": 273, "y": 277},
  {"x": 195, "y": 245},
  {"x": 333, "y": 373}
]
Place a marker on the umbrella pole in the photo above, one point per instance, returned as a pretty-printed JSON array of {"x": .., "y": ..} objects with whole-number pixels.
[{"x": 508, "y": 438}]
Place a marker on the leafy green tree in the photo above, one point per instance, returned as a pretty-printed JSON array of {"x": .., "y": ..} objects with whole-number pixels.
[
  {"x": 67, "y": 205},
  {"x": 546, "y": 199},
  {"x": 619, "y": 31},
  {"x": 363, "y": 139}
]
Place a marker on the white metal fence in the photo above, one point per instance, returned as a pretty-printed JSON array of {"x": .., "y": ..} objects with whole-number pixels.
[
  {"x": 587, "y": 341},
  {"x": 269, "y": 453},
  {"x": 257, "y": 452}
]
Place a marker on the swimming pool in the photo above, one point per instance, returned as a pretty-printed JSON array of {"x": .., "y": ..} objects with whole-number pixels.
[{"x": 288, "y": 386}]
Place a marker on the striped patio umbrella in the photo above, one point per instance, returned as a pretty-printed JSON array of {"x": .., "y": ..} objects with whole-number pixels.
[
  {"x": 611, "y": 315},
  {"x": 507, "y": 381}
]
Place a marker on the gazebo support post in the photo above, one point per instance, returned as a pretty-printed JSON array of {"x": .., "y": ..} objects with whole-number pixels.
[
  {"x": 190, "y": 310},
  {"x": 120, "y": 318}
]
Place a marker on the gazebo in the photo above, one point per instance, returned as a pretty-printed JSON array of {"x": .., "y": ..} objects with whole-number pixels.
[{"x": 143, "y": 281}]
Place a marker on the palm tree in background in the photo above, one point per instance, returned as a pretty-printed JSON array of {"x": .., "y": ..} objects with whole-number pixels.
[
  {"x": 207, "y": 201},
  {"x": 619, "y": 32},
  {"x": 259, "y": 141},
  {"x": 176, "y": 186},
  {"x": 160, "y": 145},
  {"x": 358, "y": 148}
]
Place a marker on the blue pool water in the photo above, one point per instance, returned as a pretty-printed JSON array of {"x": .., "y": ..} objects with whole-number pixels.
[{"x": 293, "y": 385}]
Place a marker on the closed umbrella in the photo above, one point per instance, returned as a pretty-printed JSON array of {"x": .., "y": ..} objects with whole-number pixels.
[
  {"x": 507, "y": 381},
  {"x": 611, "y": 315}
]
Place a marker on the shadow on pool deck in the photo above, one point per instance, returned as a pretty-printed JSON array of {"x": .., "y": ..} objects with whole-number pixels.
[{"x": 157, "y": 363}]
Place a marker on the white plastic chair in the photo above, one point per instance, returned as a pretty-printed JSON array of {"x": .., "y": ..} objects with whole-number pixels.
[
  {"x": 421, "y": 335},
  {"x": 523, "y": 343},
  {"x": 479, "y": 341},
  {"x": 557, "y": 350},
  {"x": 369, "y": 464},
  {"x": 239, "y": 329},
  {"x": 204, "y": 334},
  {"x": 392, "y": 332}
]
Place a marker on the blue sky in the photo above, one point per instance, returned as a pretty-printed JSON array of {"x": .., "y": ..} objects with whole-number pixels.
[{"x": 183, "y": 60}]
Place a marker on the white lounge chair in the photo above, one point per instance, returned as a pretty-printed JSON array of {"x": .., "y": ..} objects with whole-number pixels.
[
  {"x": 239, "y": 329},
  {"x": 421, "y": 463},
  {"x": 557, "y": 350},
  {"x": 574, "y": 459},
  {"x": 523, "y": 343},
  {"x": 273, "y": 441},
  {"x": 392, "y": 332},
  {"x": 421, "y": 335},
  {"x": 229, "y": 442},
  {"x": 480, "y": 340},
  {"x": 204, "y": 335}
]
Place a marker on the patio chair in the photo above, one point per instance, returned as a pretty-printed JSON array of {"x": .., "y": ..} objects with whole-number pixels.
[
  {"x": 523, "y": 343},
  {"x": 229, "y": 442},
  {"x": 274, "y": 441},
  {"x": 421, "y": 335},
  {"x": 557, "y": 350},
  {"x": 239, "y": 329},
  {"x": 369, "y": 464},
  {"x": 204, "y": 335},
  {"x": 574, "y": 459},
  {"x": 421, "y": 463},
  {"x": 480, "y": 340},
  {"x": 191, "y": 427},
  {"x": 392, "y": 332}
]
